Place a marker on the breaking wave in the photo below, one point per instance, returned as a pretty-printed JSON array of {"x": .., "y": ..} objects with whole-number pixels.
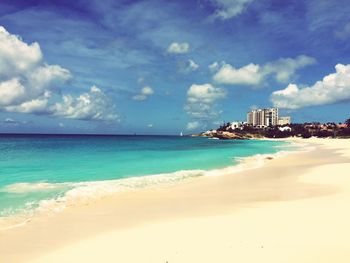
[{"x": 76, "y": 193}]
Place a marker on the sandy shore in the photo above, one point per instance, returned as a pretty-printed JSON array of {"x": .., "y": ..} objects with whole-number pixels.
[{"x": 293, "y": 209}]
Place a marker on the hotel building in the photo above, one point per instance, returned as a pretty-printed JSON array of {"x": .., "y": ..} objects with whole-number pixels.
[{"x": 263, "y": 117}]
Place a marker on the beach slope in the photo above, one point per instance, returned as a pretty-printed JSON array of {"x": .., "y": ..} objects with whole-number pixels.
[{"x": 293, "y": 209}]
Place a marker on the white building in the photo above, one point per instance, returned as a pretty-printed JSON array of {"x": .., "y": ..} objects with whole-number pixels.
[
  {"x": 286, "y": 128},
  {"x": 284, "y": 120},
  {"x": 237, "y": 125},
  {"x": 263, "y": 117}
]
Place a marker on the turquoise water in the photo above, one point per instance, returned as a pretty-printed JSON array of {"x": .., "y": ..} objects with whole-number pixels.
[{"x": 41, "y": 167}]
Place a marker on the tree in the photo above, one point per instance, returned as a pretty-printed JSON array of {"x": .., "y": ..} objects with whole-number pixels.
[
  {"x": 306, "y": 134},
  {"x": 347, "y": 122}
]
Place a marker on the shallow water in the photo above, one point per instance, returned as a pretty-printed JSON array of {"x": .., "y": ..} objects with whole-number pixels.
[{"x": 37, "y": 168}]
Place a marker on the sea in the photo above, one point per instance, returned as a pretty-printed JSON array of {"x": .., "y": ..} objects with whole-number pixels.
[{"x": 50, "y": 172}]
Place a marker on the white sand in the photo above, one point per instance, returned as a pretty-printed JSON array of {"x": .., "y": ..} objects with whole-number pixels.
[{"x": 294, "y": 209}]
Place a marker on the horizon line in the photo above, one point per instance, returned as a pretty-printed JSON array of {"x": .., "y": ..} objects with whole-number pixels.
[{"x": 86, "y": 134}]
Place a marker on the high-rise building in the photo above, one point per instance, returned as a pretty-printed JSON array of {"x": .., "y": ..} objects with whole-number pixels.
[{"x": 263, "y": 117}]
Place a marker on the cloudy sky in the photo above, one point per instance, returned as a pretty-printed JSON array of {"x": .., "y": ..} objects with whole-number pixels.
[{"x": 162, "y": 67}]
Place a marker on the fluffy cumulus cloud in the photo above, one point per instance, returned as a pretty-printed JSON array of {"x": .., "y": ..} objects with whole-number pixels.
[
  {"x": 92, "y": 105},
  {"x": 205, "y": 93},
  {"x": 226, "y": 9},
  {"x": 144, "y": 93},
  {"x": 201, "y": 103},
  {"x": 248, "y": 75},
  {"x": 178, "y": 48},
  {"x": 38, "y": 105},
  {"x": 331, "y": 89},
  {"x": 29, "y": 85},
  {"x": 282, "y": 70},
  {"x": 16, "y": 56}
]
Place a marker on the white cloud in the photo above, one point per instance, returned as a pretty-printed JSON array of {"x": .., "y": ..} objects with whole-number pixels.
[
  {"x": 282, "y": 70},
  {"x": 226, "y": 9},
  {"x": 192, "y": 66},
  {"x": 344, "y": 33},
  {"x": 214, "y": 66},
  {"x": 150, "y": 125},
  {"x": 205, "y": 93},
  {"x": 35, "y": 106},
  {"x": 11, "y": 91},
  {"x": 11, "y": 121},
  {"x": 144, "y": 93},
  {"x": 178, "y": 48},
  {"x": 331, "y": 89},
  {"x": 193, "y": 125},
  {"x": 29, "y": 85},
  {"x": 247, "y": 75},
  {"x": 92, "y": 105},
  {"x": 147, "y": 90},
  {"x": 16, "y": 56},
  {"x": 201, "y": 102},
  {"x": 32, "y": 84},
  {"x": 47, "y": 76},
  {"x": 187, "y": 66},
  {"x": 139, "y": 97},
  {"x": 285, "y": 68}
]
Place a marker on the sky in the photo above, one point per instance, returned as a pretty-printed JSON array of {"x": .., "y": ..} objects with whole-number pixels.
[{"x": 165, "y": 67}]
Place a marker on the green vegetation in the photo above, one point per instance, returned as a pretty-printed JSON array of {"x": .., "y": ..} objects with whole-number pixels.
[
  {"x": 304, "y": 130},
  {"x": 347, "y": 122}
]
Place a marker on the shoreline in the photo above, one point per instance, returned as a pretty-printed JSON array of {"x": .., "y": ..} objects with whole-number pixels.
[
  {"x": 208, "y": 201},
  {"x": 85, "y": 192}
]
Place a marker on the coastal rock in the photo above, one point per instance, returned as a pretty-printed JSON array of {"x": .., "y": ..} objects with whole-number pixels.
[{"x": 225, "y": 135}]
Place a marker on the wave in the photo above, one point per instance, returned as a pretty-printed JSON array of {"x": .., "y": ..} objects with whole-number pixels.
[
  {"x": 20, "y": 188},
  {"x": 77, "y": 193}
]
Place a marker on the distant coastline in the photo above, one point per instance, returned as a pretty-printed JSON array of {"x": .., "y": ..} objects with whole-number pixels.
[
  {"x": 230, "y": 131},
  {"x": 266, "y": 123}
]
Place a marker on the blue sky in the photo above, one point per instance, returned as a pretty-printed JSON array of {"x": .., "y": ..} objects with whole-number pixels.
[{"x": 162, "y": 67}]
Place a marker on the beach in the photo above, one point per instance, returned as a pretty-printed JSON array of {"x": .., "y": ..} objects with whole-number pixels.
[{"x": 292, "y": 209}]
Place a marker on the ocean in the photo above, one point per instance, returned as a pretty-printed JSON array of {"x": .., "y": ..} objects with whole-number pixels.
[{"x": 52, "y": 171}]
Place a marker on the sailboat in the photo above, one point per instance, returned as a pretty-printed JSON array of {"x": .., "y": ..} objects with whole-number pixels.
[{"x": 181, "y": 134}]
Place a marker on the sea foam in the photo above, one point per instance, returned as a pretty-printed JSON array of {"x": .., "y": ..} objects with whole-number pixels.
[{"x": 77, "y": 193}]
